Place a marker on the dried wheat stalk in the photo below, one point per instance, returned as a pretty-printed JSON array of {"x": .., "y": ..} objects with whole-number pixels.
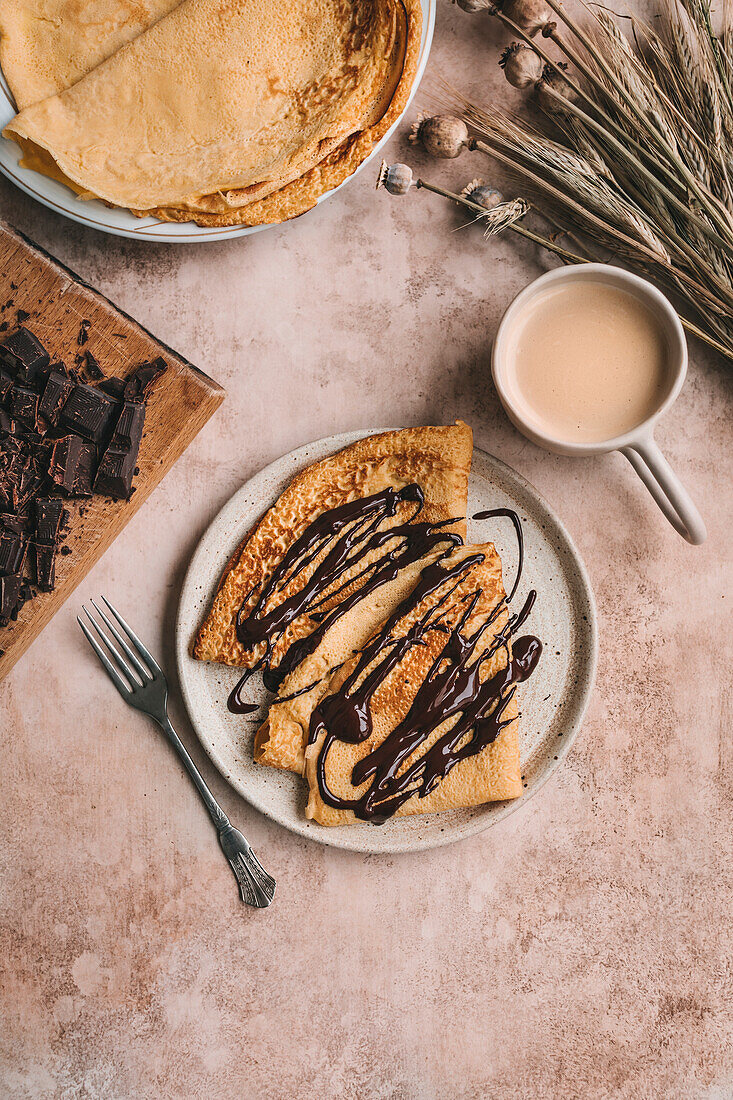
[{"x": 634, "y": 150}]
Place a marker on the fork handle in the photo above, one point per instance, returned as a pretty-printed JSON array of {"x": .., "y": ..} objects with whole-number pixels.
[{"x": 217, "y": 815}]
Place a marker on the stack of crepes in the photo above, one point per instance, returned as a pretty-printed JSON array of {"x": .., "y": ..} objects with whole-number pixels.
[
  {"x": 222, "y": 112},
  {"x": 386, "y": 640}
]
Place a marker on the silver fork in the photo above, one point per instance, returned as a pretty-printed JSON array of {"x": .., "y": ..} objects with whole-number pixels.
[{"x": 148, "y": 692}]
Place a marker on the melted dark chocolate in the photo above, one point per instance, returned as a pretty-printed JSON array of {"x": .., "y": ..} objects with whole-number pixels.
[
  {"x": 452, "y": 689},
  {"x": 510, "y": 514},
  {"x": 340, "y": 541},
  {"x": 235, "y": 703}
]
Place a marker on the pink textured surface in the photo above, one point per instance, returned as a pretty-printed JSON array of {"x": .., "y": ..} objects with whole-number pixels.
[{"x": 579, "y": 949}]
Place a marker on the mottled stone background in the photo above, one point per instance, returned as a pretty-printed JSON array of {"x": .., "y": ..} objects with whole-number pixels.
[{"x": 580, "y": 948}]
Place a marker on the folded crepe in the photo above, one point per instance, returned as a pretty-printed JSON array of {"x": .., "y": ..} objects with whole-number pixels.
[
  {"x": 47, "y": 45},
  {"x": 424, "y": 718},
  {"x": 333, "y": 557},
  {"x": 230, "y": 111}
]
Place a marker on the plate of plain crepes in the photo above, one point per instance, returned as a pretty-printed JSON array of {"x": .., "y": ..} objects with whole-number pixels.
[
  {"x": 386, "y": 641},
  {"x": 193, "y": 120}
]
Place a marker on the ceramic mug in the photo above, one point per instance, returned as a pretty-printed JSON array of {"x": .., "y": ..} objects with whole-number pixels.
[{"x": 638, "y": 445}]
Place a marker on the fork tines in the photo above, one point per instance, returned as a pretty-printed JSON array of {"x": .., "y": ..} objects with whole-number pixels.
[{"x": 118, "y": 669}]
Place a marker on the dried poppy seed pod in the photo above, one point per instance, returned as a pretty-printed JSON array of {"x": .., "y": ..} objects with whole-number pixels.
[
  {"x": 553, "y": 91},
  {"x": 395, "y": 178},
  {"x": 441, "y": 136},
  {"x": 522, "y": 66},
  {"x": 482, "y": 194},
  {"x": 530, "y": 16}
]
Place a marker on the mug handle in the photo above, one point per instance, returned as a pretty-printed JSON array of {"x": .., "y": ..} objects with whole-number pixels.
[{"x": 666, "y": 488}]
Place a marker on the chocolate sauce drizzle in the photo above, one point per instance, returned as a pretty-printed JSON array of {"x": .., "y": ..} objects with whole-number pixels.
[
  {"x": 510, "y": 514},
  {"x": 451, "y": 689},
  {"x": 235, "y": 703},
  {"x": 339, "y": 540}
]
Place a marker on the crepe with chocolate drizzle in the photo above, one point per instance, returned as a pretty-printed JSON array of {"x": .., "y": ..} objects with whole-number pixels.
[
  {"x": 424, "y": 717},
  {"x": 333, "y": 557}
]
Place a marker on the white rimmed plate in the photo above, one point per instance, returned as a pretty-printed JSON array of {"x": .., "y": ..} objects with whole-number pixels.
[
  {"x": 124, "y": 224},
  {"x": 552, "y": 702}
]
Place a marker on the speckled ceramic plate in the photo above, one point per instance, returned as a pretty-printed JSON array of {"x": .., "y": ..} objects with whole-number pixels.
[
  {"x": 124, "y": 224},
  {"x": 552, "y": 702}
]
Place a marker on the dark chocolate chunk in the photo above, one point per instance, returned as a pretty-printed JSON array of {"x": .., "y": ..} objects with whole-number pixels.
[
  {"x": 25, "y": 481},
  {"x": 6, "y": 383},
  {"x": 19, "y": 524},
  {"x": 55, "y": 395},
  {"x": 66, "y": 550},
  {"x": 86, "y": 467},
  {"x": 22, "y": 316},
  {"x": 25, "y": 354},
  {"x": 73, "y": 465},
  {"x": 7, "y": 424},
  {"x": 89, "y": 412},
  {"x": 115, "y": 473},
  {"x": 9, "y": 596},
  {"x": 47, "y": 514},
  {"x": 23, "y": 405},
  {"x": 46, "y": 566},
  {"x": 13, "y": 548},
  {"x": 114, "y": 386},
  {"x": 92, "y": 367},
  {"x": 65, "y": 461},
  {"x": 141, "y": 379}
]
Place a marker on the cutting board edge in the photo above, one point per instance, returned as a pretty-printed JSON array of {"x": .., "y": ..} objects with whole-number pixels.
[{"x": 77, "y": 279}]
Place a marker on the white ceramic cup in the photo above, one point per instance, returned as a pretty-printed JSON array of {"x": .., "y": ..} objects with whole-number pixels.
[{"x": 637, "y": 445}]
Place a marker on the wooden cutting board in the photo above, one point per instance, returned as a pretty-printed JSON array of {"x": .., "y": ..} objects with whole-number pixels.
[{"x": 57, "y": 301}]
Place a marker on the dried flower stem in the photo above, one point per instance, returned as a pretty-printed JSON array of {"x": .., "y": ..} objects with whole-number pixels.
[
  {"x": 522, "y": 231},
  {"x": 613, "y": 133},
  {"x": 563, "y": 253},
  {"x": 604, "y": 226}
]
